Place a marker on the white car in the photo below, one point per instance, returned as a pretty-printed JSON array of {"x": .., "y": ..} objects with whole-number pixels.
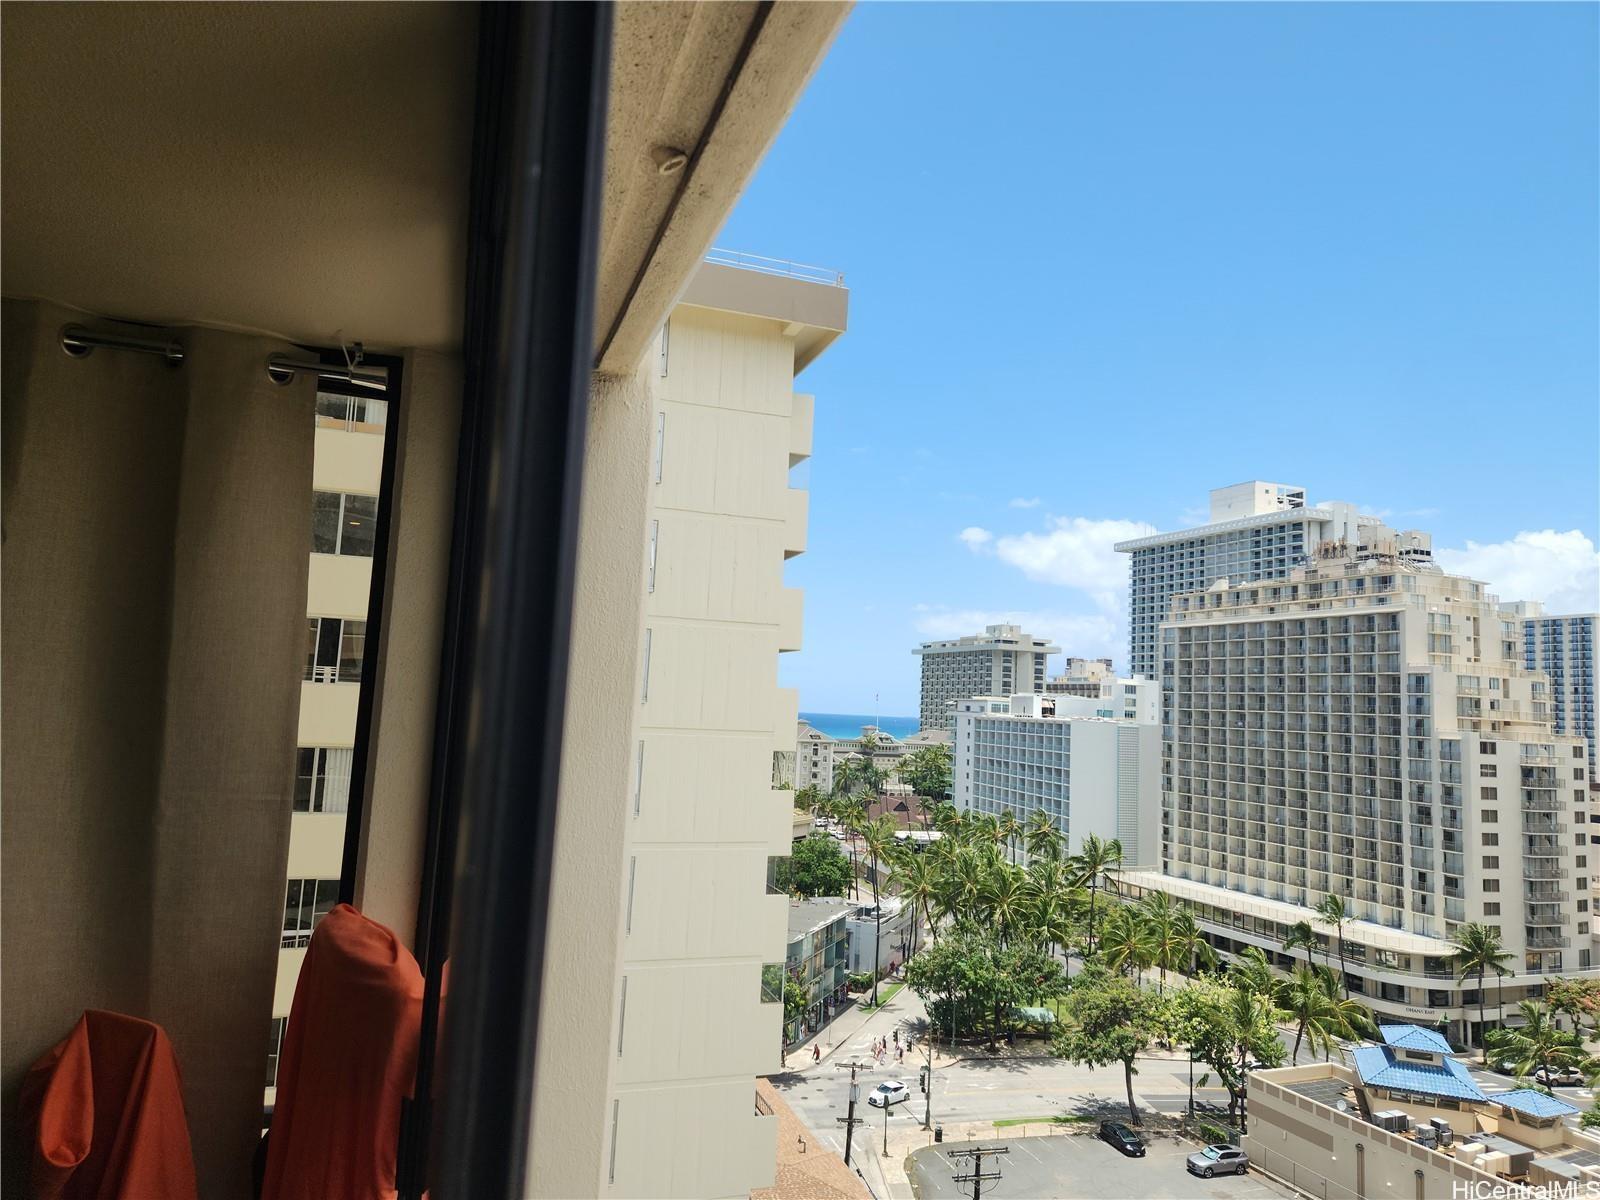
[{"x": 886, "y": 1094}]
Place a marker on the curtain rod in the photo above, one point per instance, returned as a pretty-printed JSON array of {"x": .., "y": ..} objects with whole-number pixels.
[
  {"x": 282, "y": 368},
  {"x": 80, "y": 343}
]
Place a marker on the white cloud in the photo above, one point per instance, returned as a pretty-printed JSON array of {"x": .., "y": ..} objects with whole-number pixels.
[
  {"x": 975, "y": 537},
  {"x": 1088, "y": 635},
  {"x": 1561, "y": 569},
  {"x": 1072, "y": 552},
  {"x": 1030, "y": 502}
]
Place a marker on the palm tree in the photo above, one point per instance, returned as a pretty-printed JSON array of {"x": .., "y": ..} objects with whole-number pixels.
[
  {"x": 1478, "y": 949},
  {"x": 1042, "y": 838},
  {"x": 1191, "y": 944},
  {"x": 1126, "y": 946},
  {"x": 1332, "y": 911},
  {"x": 1311, "y": 998},
  {"x": 1301, "y": 936},
  {"x": 914, "y": 876},
  {"x": 880, "y": 843},
  {"x": 1006, "y": 894},
  {"x": 1095, "y": 858},
  {"x": 1251, "y": 972},
  {"x": 1158, "y": 912},
  {"x": 1539, "y": 1043},
  {"x": 1011, "y": 830}
]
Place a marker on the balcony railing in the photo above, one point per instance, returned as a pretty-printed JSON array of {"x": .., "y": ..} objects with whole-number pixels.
[{"x": 775, "y": 266}]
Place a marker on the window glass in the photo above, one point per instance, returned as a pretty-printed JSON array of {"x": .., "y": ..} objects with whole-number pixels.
[{"x": 325, "y": 523}]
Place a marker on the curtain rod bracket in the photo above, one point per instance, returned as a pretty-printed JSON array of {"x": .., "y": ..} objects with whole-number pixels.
[
  {"x": 282, "y": 368},
  {"x": 79, "y": 342}
]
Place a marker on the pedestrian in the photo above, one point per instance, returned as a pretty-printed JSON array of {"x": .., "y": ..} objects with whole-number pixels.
[
  {"x": 897, "y": 1039},
  {"x": 816, "y": 1053}
]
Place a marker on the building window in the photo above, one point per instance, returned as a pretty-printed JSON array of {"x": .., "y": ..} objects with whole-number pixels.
[
  {"x": 1491, "y": 885},
  {"x": 1489, "y": 793},
  {"x": 1491, "y": 908},
  {"x": 1487, "y": 770},
  {"x": 1491, "y": 839},
  {"x": 1491, "y": 862},
  {"x": 334, "y": 649},
  {"x": 307, "y": 902},
  {"x": 1490, "y": 816},
  {"x": 361, "y": 414},
  {"x": 274, "y": 1048},
  {"x": 322, "y": 779},
  {"x": 344, "y": 524},
  {"x": 771, "y": 983}
]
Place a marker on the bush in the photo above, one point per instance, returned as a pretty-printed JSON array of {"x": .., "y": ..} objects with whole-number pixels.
[
  {"x": 858, "y": 981},
  {"x": 1216, "y": 1133}
]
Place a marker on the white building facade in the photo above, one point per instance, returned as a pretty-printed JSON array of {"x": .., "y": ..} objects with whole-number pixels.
[
  {"x": 1256, "y": 530},
  {"x": 997, "y": 662},
  {"x": 347, "y": 468},
  {"x": 1367, "y": 728},
  {"x": 1089, "y": 774},
  {"x": 695, "y": 1017}
]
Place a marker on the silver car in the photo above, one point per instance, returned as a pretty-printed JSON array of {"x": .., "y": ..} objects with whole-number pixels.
[{"x": 1218, "y": 1160}]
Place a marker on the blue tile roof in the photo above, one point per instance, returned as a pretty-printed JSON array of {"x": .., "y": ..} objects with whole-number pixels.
[
  {"x": 1414, "y": 1037},
  {"x": 1378, "y": 1067},
  {"x": 1535, "y": 1103}
]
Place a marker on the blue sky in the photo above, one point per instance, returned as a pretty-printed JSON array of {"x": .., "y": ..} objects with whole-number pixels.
[{"x": 1103, "y": 258}]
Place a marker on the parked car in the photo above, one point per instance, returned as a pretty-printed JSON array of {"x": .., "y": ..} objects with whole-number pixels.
[
  {"x": 1123, "y": 1138},
  {"x": 1559, "y": 1077},
  {"x": 1218, "y": 1160},
  {"x": 886, "y": 1094}
]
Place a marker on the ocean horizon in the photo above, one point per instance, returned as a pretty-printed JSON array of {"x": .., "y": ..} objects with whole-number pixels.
[{"x": 849, "y": 725}]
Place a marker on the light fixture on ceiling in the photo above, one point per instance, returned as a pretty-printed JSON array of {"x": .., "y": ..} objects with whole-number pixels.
[{"x": 669, "y": 160}]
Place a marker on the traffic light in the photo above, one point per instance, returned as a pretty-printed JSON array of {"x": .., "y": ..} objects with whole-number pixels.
[{"x": 922, "y": 1079}]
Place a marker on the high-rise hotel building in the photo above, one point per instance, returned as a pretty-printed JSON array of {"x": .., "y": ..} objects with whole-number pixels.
[
  {"x": 1367, "y": 727},
  {"x": 1563, "y": 648},
  {"x": 997, "y": 662},
  {"x": 1256, "y": 530}
]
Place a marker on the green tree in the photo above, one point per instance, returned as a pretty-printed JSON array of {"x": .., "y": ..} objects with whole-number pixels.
[
  {"x": 1227, "y": 1027},
  {"x": 913, "y": 875},
  {"x": 1301, "y": 936},
  {"x": 1126, "y": 943},
  {"x": 1042, "y": 838},
  {"x": 927, "y": 772},
  {"x": 1095, "y": 858},
  {"x": 810, "y": 798},
  {"x": 970, "y": 982},
  {"x": 816, "y": 867},
  {"x": 879, "y": 838},
  {"x": 1578, "y": 999},
  {"x": 1108, "y": 1019},
  {"x": 1540, "y": 1044},
  {"x": 1332, "y": 911},
  {"x": 1321, "y": 1017},
  {"x": 1252, "y": 973},
  {"x": 1478, "y": 949}
]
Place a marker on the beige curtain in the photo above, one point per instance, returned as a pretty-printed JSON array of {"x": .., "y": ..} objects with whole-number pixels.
[{"x": 156, "y": 525}]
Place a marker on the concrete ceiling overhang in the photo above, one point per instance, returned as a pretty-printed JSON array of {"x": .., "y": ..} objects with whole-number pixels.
[{"x": 301, "y": 169}]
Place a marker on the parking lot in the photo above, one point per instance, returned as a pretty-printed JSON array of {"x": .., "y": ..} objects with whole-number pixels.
[{"x": 1078, "y": 1168}]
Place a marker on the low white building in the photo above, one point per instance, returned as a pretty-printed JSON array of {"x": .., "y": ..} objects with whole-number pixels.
[
  {"x": 1091, "y": 774},
  {"x": 867, "y": 944}
]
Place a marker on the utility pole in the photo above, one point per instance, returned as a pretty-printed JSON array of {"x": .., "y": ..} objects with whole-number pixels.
[
  {"x": 927, "y": 1084},
  {"x": 850, "y": 1120},
  {"x": 977, "y": 1175}
]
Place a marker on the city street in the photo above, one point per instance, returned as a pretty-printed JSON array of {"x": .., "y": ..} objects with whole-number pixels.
[{"x": 1072, "y": 1167}]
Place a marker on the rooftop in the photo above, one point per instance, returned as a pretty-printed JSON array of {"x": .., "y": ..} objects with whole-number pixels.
[
  {"x": 1535, "y": 1103},
  {"x": 1413, "y": 1037},
  {"x": 808, "y": 915},
  {"x": 1377, "y": 1066}
]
